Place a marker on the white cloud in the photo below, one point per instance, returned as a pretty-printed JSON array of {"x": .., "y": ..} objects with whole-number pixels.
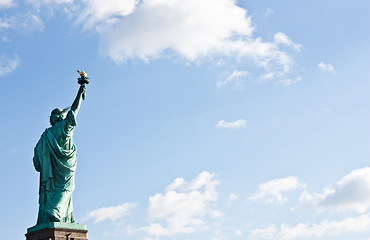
[
  {"x": 114, "y": 213},
  {"x": 326, "y": 67},
  {"x": 351, "y": 193},
  {"x": 192, "y": 29},
  {"x": 235, "y": 76},
  {"x": 6, "y": 3},
  {"x": 241, "y": 123},
  {"x": 184, "y": 205},
  {"x": 271, "y": 191},
  {"x": 287, "y": 82},
  {"x": 8, "y": 65},
  {"x": 281, "y": 38},
  {"x": 97, "y": 11}
]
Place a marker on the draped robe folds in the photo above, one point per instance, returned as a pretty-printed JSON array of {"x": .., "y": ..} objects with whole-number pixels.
[{"x": 55, "y": 159}]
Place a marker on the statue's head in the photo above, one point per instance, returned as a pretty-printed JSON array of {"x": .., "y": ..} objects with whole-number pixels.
[{"x": 56, "y": 115}]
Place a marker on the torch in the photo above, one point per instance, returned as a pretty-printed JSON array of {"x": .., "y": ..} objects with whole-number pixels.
[{"x": 83, "y": 80}]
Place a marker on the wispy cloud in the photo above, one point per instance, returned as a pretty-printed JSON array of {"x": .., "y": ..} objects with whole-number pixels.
[
  {"x": 327, "y": 67},
  {"x": 241, "y": 123},
  {"x": 233, "y": 197},
  {"x": 268, "y": 12},
  {"x": 287, "y": 81},
  {"x": 6, "y": 3},
  {"x": 183, "y": 206},
  {"x": 304, "y": 230},
  {"x": 282, "y": 38},
  {"x": 267, "y": 76},
  {"x": 235, "y": 76},
  {"x": 5, "y": 39},
  {"x": 271, "y": 191},
  {"x": 238, "y": 232},
  {"x": 8, "y": 65},
  {"x": 351, "y": 193},
  {"x": 113, "y": 213},
  {"x": 22, "y": 22},
  {"x": 266, "y": 233}
]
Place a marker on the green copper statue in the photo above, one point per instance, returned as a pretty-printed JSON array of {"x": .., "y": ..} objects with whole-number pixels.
[{"x": 55, "y": 159}]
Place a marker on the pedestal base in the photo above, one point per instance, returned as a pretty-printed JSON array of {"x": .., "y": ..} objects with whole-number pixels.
[{"x": 57, "y": 231}]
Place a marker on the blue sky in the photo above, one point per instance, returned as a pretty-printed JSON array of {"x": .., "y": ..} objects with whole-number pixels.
[{"x": 204, "y": 119}]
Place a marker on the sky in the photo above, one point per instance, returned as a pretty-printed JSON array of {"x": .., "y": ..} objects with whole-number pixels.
[{"x": 203, "y": 119}]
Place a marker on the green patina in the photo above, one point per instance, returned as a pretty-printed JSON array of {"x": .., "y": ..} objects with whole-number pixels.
[{"x": 55, "y": 159}]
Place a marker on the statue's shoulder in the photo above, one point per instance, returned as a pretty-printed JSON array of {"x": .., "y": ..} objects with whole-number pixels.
[
  {"x": 47, "y": 130},
  {"x": 43, "y": 136}
]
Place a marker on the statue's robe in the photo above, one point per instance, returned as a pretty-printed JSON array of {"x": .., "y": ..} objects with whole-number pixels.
[{"x": 55, "y": 159}]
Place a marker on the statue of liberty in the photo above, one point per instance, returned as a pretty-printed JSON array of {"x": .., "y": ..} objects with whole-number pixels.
[{"x": 55, "y": 159}]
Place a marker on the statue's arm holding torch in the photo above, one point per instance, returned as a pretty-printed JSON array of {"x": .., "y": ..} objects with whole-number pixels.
[{"x": 77, "y": 102}]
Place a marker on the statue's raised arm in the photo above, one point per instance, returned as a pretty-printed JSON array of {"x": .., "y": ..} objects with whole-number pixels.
[{"x": 77, "y": 102}]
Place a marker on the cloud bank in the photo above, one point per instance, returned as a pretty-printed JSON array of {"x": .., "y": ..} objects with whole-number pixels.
[
  {"x": 187, "y": 207},
  {"x": 351, "y": 193},
  {"x": 192, "y": 28},
  {"x": 323, "y": 229}
]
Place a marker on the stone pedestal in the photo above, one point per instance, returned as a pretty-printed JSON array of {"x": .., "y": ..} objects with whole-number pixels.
[{"x": 57, "y": 231}]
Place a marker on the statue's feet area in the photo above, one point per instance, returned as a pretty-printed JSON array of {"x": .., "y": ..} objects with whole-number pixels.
[{"x": 62, "y": 225}]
